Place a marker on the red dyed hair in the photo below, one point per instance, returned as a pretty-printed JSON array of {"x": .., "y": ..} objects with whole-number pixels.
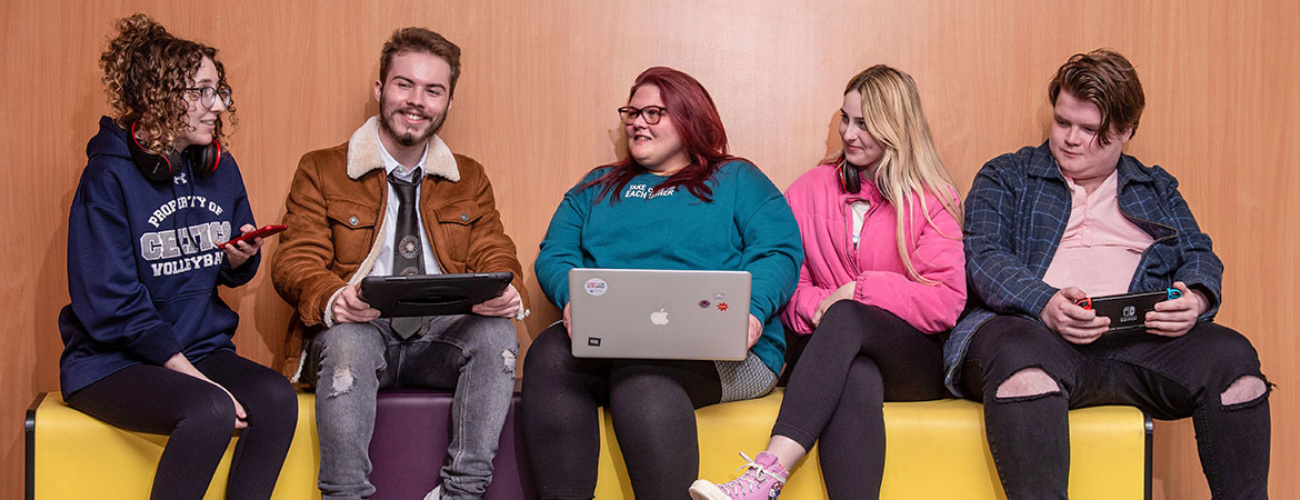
[{"x": 696, "y": 120}]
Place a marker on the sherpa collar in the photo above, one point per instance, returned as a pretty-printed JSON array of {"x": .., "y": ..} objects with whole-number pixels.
[{"x": 363, "y": 154}]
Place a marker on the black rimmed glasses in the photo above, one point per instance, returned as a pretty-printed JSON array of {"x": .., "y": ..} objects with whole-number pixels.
[
  {"x": 652, "y": 114},
  {"x": 207, "y": 96}
]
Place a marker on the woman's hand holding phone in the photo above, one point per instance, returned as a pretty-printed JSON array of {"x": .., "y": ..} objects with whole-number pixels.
[{"x": 247, "y": 244}]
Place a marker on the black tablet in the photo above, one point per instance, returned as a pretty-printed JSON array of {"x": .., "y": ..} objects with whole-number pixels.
[{"x": 432, "y": 294}]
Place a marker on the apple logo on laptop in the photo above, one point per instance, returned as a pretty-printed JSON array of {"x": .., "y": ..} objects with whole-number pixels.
[{"x": 659, "y": 317}]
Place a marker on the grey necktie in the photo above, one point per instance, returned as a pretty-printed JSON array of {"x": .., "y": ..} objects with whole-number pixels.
[{"x": 408, "y": 251}]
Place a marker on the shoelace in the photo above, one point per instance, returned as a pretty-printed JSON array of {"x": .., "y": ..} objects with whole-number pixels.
[{"x": 751, "y": 480}]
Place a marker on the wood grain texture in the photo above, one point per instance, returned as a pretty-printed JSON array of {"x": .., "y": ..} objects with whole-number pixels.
[{"x": 536, "y": 105}]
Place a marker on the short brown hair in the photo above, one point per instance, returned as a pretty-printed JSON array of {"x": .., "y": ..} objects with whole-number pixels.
[
  {"x": 1107, "y": 79},
  {"x": 420, "y": 40}
]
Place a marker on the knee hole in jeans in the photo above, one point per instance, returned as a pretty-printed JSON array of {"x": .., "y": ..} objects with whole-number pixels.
[
  {"x": 508, "y": 358},
  {"x": 1246, "y": 389},
  {"x": 1026, "y": 383},
  {"x": 341, "y": 382}
]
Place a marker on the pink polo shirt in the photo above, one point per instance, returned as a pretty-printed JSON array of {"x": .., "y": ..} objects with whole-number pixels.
[{"x": 1101, "y": 248}]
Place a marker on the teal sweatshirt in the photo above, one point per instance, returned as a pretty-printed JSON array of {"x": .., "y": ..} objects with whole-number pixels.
[{"x": 747, "y": 227}]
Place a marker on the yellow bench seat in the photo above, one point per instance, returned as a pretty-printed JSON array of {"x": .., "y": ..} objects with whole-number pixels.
[
  {"x": 936, "y": 450},
  {"x": 71, "y": 455}
]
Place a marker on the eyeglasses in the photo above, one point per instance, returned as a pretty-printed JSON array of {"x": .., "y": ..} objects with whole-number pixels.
[
  {"x": 652, "y": 114},
  {"x": 207, "y": 96}
]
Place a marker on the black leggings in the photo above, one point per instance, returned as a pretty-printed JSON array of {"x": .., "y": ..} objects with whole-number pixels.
[
  {"x": 1170, "y": 378},
  {"x": 199, "y": 417},
  {"x": 652, "y": 403},
  {"x": 859, "y": 357}
]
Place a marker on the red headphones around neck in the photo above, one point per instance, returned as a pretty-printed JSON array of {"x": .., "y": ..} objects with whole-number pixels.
[
  {"x": 159, "y": 167},
  {"x": 850, "y": 178}
]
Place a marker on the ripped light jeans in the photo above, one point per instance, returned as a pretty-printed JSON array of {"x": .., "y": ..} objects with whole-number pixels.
[{"x": 349, "y": 363}]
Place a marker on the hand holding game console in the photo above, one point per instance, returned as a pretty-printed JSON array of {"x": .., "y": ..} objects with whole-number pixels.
[
  {"x": 1170, "y": 312},
  {"x": 1075, "y": 324},
  {"x": 1173, "y": 318}
]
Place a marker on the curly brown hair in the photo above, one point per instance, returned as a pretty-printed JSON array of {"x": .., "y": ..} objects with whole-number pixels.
[{"x": 146, "y": 70}]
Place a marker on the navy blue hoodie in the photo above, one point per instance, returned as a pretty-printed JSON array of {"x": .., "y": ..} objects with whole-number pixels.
[{"x": 143, "y": 263}]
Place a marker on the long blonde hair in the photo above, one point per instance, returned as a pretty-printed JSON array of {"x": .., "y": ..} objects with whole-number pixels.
[{"x": 910, "y": 165}]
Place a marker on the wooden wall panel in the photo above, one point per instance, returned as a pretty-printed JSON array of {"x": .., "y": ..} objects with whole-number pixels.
[{"x": 541, "y": 81}]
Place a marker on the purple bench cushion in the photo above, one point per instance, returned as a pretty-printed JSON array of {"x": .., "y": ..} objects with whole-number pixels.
[{"x": 409, "y": 448}]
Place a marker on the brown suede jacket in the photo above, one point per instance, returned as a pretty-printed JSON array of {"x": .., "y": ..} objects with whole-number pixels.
[{"x": 335, "y": 211}]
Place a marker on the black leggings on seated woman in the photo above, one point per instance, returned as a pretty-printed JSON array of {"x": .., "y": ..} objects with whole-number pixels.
[
  {"x": 200, "y": 419},
  {"x": 859, "y": 357},
  {"x": 652, "y": 403}
]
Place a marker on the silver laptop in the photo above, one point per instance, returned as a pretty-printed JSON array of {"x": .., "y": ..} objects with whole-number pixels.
[{"x": 655, "y": 314}]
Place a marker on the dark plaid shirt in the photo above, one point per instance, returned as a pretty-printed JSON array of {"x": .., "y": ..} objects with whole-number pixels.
[{"x": 1016, "y": 214}]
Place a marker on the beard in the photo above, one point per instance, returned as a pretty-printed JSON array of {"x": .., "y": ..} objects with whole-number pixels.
[{"x": 409, "y": 138}]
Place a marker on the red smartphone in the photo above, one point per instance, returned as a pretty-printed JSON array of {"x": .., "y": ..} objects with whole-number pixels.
[{"x": 264, "y": 232}]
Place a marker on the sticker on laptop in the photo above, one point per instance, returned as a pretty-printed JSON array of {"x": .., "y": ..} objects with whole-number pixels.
[
  {"x": 596, "y": 287},
  {"x": 719, "y": 296}
]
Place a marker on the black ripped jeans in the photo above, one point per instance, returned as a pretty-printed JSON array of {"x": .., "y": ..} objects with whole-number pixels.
[{"x": 1169, "y": 378}]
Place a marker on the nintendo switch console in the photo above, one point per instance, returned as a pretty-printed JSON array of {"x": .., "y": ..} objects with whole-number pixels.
[{"x": 1128, "y": 311}]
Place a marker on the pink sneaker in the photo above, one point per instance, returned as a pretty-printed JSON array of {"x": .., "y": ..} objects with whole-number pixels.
[{"x": 763, "y": 481}]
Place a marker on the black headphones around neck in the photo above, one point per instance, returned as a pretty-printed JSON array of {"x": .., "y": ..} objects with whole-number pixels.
[
  {"x": 850, "y": 178},
  {"x": 159, "y": 167}
]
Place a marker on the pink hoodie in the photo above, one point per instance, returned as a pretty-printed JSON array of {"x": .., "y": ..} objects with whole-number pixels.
[{"x": 825, "y": 224}]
